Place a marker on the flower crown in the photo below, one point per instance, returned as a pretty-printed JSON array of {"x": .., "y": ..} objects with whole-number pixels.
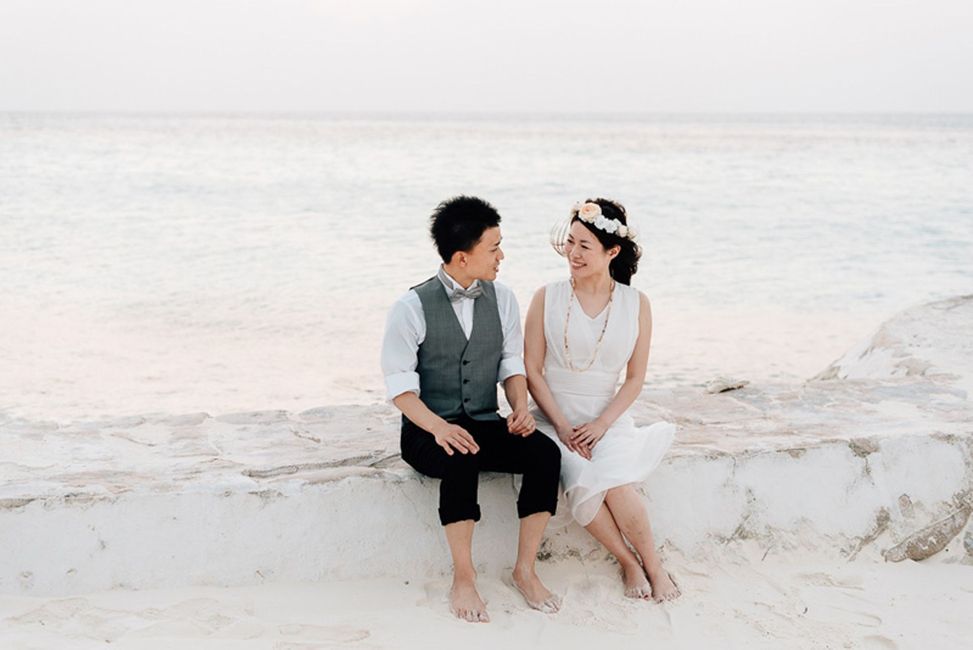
[{"x": 591, "y": 213}]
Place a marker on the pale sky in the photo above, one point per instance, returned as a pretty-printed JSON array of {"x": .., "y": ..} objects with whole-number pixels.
[{"x": 480, "y": 55}]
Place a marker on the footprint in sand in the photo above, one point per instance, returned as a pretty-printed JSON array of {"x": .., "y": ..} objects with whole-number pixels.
[
  {"x": 75, "y": 618},
  {"x": 598, "y": 601},
  {"x": 437, "y": 597},
  {"x": 52, "y": 613},
  {"x": 313, "y": 637},
  {"x": 195, "y": 618},
  {"x": 434, "y": 591},
  {"x": 333, "y": 633}
]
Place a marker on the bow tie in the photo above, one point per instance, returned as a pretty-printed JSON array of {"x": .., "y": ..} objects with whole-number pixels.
[
  {"x": 473, "y": 293},
  {"x": 458, "y": 293}
]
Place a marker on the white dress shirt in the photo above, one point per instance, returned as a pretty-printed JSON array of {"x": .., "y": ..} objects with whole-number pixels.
[{"x": 405, "y": 330}]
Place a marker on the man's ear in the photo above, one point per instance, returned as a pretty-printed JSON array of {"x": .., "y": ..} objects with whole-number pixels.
[{"x": 459, "y": 258}]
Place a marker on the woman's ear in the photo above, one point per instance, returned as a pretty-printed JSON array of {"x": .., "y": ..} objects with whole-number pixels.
[{"x": 614, "y": 250}]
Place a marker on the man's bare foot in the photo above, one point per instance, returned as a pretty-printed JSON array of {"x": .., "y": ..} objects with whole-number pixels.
[
  {"x": 636, "y": 584},
  {"x": 534, "y": 592},
  {"x": 465, "y": 602},
  {"x": 663, "y": 587}
]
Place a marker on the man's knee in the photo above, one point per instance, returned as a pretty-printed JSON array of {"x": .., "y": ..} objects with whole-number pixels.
[
  {"x": 545, "y": 449},
  {"x": 461, "y": 464}
]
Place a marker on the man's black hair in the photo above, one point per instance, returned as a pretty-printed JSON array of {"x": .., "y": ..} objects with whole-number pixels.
[{"x": 458, "y": 223}]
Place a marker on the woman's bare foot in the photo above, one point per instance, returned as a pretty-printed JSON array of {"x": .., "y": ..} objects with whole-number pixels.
[
  {"x": 635, "y": 581},
  {"x": 465, "y": 601},
  {"x": 663, "y": 588},
  {"x": 534, "y": 592}
]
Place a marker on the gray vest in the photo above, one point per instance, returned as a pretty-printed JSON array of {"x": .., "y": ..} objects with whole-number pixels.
[{"x": 459, "y": 376}]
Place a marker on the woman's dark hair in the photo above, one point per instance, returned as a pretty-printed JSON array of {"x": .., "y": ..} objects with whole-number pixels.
[
  {"x": 458, "y": 223},
  {"x": 626, "y": 263}
]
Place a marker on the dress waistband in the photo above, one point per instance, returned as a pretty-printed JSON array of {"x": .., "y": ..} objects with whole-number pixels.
[{"x": 592, "y": 383}]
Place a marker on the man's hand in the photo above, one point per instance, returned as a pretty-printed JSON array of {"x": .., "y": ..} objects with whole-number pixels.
[
  {"x": 521, "y": 422},
  {"x": 452, "y": 436}
]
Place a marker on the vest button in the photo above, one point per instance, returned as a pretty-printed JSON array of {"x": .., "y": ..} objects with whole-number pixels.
[
  {"x": 466, "y": 399},
  {"x": 465, "y": 362},
  {"x": 466, "y": 381}
]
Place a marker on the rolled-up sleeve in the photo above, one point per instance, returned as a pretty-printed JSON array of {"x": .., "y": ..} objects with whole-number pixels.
[
  {"x": 512, "y": 357},
  {"x": 404, "y": 331}
]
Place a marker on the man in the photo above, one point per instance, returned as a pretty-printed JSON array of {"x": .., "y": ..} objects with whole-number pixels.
[{"x": 448, "y": 342}]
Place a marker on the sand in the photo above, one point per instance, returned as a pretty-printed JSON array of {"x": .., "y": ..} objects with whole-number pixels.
[{"x": 738, "y": 598}]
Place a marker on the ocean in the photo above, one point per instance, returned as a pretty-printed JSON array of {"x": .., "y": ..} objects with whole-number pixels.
[{"x": 218, "y": 263}]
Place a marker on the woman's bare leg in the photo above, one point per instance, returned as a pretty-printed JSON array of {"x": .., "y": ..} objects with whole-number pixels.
[
  {"x": 604, "y": 529},
  {"x": 628, "y": 511}
]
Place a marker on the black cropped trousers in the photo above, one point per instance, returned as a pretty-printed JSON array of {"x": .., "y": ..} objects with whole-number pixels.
[{"x": 535, "y": 456}]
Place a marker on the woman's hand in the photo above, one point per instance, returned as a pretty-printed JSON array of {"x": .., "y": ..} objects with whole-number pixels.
[
  {"x": 564, "y": 433},
  {"x": 587, "y": 435}
]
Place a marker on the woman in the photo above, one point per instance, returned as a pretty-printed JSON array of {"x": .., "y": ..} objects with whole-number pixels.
[{"x": 579, "y": 335}]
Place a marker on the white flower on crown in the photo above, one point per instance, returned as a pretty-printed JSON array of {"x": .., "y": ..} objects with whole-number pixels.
[
  {"x": 591, "y": 213},
  {"x": 608, "y": 225}
]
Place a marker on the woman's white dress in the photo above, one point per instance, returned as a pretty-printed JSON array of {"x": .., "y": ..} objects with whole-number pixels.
[{"x": 627, "y": 454}]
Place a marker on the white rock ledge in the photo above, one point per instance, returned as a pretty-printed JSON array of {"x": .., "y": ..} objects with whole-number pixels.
[{"x": 847, "y": 465}]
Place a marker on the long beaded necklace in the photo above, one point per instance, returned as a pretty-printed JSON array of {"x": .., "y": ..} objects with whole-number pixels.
[{"x": 601, "y": 337}]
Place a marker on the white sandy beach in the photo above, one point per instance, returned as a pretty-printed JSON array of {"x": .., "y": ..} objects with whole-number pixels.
[
  {"x": 736, "y": 598},
  {"x": 835, "y": 513}
]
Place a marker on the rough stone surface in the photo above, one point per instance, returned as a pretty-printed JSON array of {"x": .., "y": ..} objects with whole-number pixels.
[
  {"x": 931, "y": 341},
  {"x": 930, "y": 540}
]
